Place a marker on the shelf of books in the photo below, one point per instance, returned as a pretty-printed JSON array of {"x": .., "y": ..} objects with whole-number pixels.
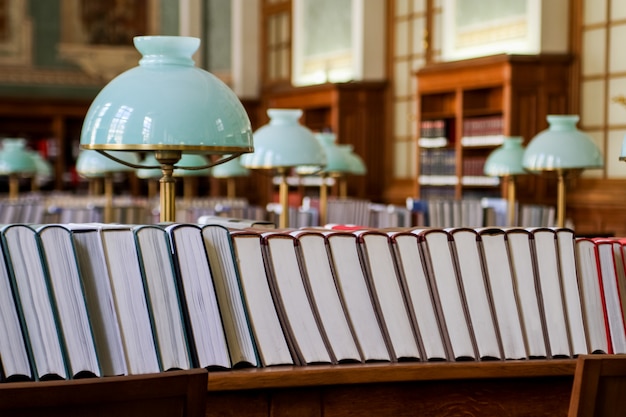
[{"x": 466, "y": 109}]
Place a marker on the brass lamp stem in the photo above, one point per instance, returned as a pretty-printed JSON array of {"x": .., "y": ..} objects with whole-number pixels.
[
  {"x": 230, "y": 187},
  {"x": 511, "y": 199},
  {"x": 14, "y": 187},
  {"x": 167, "y": 159},
  {"x": 108, "y": 195},
  {"x": 560, "y": 207},
  {"x": 323, "y": 200},
  {"x": 283, "y": 193},
  {"x": 343, "y": 187}
]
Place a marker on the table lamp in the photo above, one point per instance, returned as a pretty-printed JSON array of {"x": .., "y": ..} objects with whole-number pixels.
[
  {"x": 506, "y": 161},
  {"x": 281, "y": 145},
  {"x": 356, "y": 167},
  {"x": 168, "y": 106},
  {"x": 561, "y": 149},
  {"x": 230, "y": 170},
  {"x": 337, "y": 165},
  {"x": 43, "y": 170},
  {"x": 93, "y": 166},
  {"x": 15, "y": 161}
]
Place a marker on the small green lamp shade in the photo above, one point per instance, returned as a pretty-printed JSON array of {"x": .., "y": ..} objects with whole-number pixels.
[
  {"x": 92, "y": 164},
  {"x": 15, "y": 158},
  {"x": 506, "y": 159},
  {"x": 230, "y": 169},
  {"x": 561, "y": 147},
  {"x": 284, "y": 143},
  {"x": 167, "y": 103},
  {"x": 337, "y": 161},
  {"x": 43, "y": 167},
  {"x": 187, "y": 164},
  {"x": 357, "y": 166},
  {"x": 147, "y": 173}
]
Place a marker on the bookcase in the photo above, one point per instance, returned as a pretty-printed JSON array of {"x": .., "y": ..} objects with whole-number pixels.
[
  {"x": 465, "y": 108},
  {"x": 51, "y": 126}
]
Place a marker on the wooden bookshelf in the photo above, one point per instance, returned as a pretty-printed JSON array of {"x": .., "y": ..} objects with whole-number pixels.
[
  {"x": 517, "y": 91},
  {"x": 515, "y": 388}
]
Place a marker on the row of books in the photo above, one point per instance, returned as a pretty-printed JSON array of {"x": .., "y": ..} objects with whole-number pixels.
[
  {"x": 483, "y": 131},
  {"x": 440, "y": 161},
  {"x": 479, "y": 212},
  {"x": 89, "y": 300}
]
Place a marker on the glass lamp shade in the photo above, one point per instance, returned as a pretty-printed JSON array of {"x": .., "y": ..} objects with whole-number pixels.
[
  {"x": 189, "y": 160},
  {"x": 230, "y": 169},
  {"x": 167, "y": 104},
  {"x": 15, "y": 158},
  {"x": 43, "y": 168},
  {"x": 337, "y": 162},
  {"x": 284, "y": 143},
  {"x": 506, "y": 159},
  {"x": 92, "y": 164},
  {"x": 561, "y": 147},
  {"x": 355, "y": 162}
]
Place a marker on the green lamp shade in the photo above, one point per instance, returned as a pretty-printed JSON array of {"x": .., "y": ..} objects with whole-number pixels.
[
  {"x": 92, "y": 164},
  {"x": 147, "y": 173},
  {"x": 561, "y": 147},
  {"x": 167, "y": 103},
  {"x": 230, "y": 169},
  {"x": 284, "y": 143},
  {"x": 43, "y": 167},
  {"x": 337, "y": 161},
  {"x": 188, "y": 162},
  {"x": 355, "y": 162},
  {"x": 506, "y": 159},
  {"x": 15, "y": 158}
]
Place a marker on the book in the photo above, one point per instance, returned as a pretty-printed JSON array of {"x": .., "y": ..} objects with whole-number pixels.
[
  {"x": 272, "y": 345},
  {"x": 592, "y": 294},
  {"x": 436, "y": 245},
  {"x": 136, "y": 327},
  {"x": 62, "y": 270},
  {"x": 320, "y": 282},
  {"x": 199, "y": 299},
  {"x": 467, "y": 254},
  {"x": 565, "y": 244},
  {"x": 501, "y": 284},
  {"x": 35, "y": 306},
  {"x": 220, "y": 253},
  {"x": 524, "y": 269},
  {"x": 15, "y": 355},
  {"x": 549, "y": 279},
  {"x": 612, "y": 295},
  {"x": 380, "y": 270},
  {"x": 94, "y": 274},
  {"x": 352, "y": 284},
  {"x": 424, "y": 314},
  {"x": 299, "y": 319},
  {"x": 161, "y": 286}
]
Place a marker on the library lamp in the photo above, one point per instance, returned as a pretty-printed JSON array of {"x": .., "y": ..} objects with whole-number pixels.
[
  {"x": 337, "y": 165},
  {"x": 15, "y": 161},
  {"x": 564, "y": 150},
  {"x": 230, "y": 170},
  {"x": 356, "y": 167},
  {"x": 43, "y": 170},
  {"x": 281, "y": 145},
  {"x": 93, "y": 166},
  {"x": 168, "y": 106},
  {"x": 506, "y": 161}
]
